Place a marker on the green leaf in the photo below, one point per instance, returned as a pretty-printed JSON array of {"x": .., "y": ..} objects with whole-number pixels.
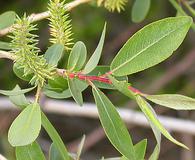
[
  {"x": 54, "y": 153},
  {"x": 52, "y": 93},
  {"x": 26, "y": 127},
  {"x": 80, "y": 148},
  {"x": 174, "y": 101},
  {"x": 55, "y": 137},
  {"x": 58, "y": 83},
  {"x": 19, "y": 100},
  {"x": 75, "y": 91},
  {"x": 54, "y": 53},
  {"x": 149, "y": 114},
  {"x": 30, "y": 152},
  {"x": 7, "y": 19},
  {"x": 77, "y": 57},
  {"x": 140, "y": 149},
  {"x": 5, "y": 45},
  {"x": 113, "y": 125},
  {"x": 94, "y": 60},
  {"x": 19, "y": 72},
  {"x": 140, "y": 10},
  {"x": 16, "y": 92},
  {"x": 151, "y": 45},
  {"x": 123, "y": 87},
  {"x": 101, "y": 70}
]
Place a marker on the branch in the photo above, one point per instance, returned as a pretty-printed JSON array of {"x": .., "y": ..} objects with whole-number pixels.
[
  {"x": 4, "y": 54},
  {"x": 44, "y": 15},
  {"x": 101, "y": 78}
]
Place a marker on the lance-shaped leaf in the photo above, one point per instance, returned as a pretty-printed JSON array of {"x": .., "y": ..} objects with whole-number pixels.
[
  {"x": 16, "y": 92},
  {"x": 75, "y": 91},
  {"x": 151, "y": 45},
  {"x": 54, "y": 53},
  {"x": 174, "y": 101},
  {"x": 7, "y": 19},
  {"x": 140, "y": 10},
  {"x": 77, "y": 57},
  {"x": 149, "y": 114},
  {"x": 26, "y": 127},
  {"x": 113, "y": 125},
  {"x": 140, "y": 149},
  {"x": 55, "y": 137},
  {"x": 31, "y": 152},
  {"x": 94, "y": 60}
]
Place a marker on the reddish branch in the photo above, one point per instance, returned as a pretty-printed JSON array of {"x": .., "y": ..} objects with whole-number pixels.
[{"x": 101, "y": 79}]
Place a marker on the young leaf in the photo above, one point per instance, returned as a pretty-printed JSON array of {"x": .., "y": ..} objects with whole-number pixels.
[
  {"x": 54, "y": 153},
  {"x": 140, "y": 149},
  {"x": 7, "y": 19},
  {"x": 16, "y": 92},
  {"x": 75, "y": 91},
  {"x": 5, "y": 45},
  {"x": 26, "y": 127},
  {"x": 19, "y": 100},
  {"x": 174, "y": 101},
  {"x": 140, "y": 10},
  {"x": 54, "y": 53},
  {"x": 113, "y": 125},
  {"x": 123, "y": 87},
  {"x": 31, "y": 152},
  {"x": 151, "y": 45},
  {"x": 55, "y": 137},
  {"x": 149, "y": 114},
  {"x": 19, "y": 72},
  {"x": 77, "y": 57},
  {"x": 93, "y": 61}
]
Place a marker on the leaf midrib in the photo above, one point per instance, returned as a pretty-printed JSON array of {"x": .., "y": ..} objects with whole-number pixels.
[
  {"x": 123, "y": 64},
  {"x": 109, "y": 118}
]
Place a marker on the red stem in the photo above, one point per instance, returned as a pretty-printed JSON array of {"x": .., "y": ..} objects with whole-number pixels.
[{"x": 102, "y": 79}]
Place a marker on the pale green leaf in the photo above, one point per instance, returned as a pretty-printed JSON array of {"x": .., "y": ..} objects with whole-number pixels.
[
  {"x": 5, "y": 45},
  {"x": 174, "y": 101},
  {"x": 55, "y": 137},
  {"x": 149, "y": 114},
  {"x": 94, "y": 60},
  {"x": 140, "y": 149},
  {"x": 7, "y": 19},
  {"x": 54, "y": 53},
  {"x": 75, "y": 91},
  {"x": 30, "y": 152},
  {"x": 151, "y": 45},
  {"x": 113, "y": 125},
  {"x": 140, "y": 10},
  {"x": 15, "y": 92},
  {"x": 77, "y": 57},
  {"x": 26, "y": 127},
  {"x": 19, "y": 100},
  {"x": 58, "y": 83}
]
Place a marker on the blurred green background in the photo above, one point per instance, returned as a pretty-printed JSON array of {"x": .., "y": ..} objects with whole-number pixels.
[{"x": 175, "y": 75}]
